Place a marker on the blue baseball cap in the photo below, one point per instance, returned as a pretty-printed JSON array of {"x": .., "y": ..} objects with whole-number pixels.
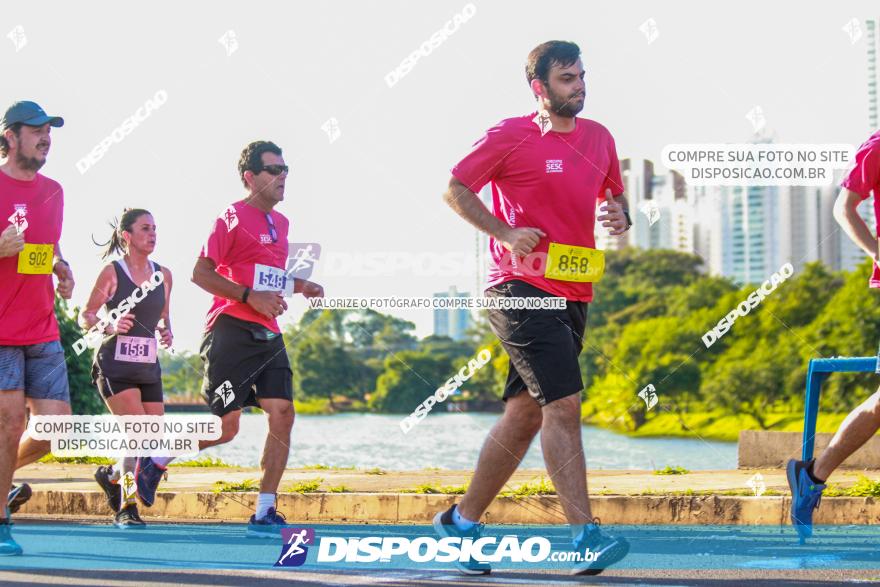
[{"x": 28, "y": 113}]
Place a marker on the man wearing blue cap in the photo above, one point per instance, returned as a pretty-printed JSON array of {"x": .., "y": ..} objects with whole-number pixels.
[{"x": 33, "y": 373}]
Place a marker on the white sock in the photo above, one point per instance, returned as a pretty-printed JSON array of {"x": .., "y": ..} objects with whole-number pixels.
[
  {"x": 460, "y": 522},
  {"x": 162, "y": 461},
  {"x": 264, "y": 502}
]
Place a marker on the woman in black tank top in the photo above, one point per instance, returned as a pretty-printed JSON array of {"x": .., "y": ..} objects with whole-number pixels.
[{"x": 135, "y": 293}]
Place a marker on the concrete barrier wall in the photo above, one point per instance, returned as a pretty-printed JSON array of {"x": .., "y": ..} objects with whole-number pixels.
[
  {"x": 395, "y": 508},
  {"x": 762, "y": 449}
]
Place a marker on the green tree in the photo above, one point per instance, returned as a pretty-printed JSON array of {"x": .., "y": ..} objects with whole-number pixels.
[{"x": 84, "y": 397}]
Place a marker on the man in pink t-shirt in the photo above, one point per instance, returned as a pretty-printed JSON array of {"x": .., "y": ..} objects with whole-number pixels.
[
  {"x": 548, "y": 171},
  {"x": 807, "y": 478},
  {"x": 243, "y": 265},
  {"x": 33, "y": 371}
]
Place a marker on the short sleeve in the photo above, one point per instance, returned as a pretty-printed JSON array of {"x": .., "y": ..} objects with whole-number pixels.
[
  {"x": 218, "y": 243},
  {"x": 613, "y": 180},
  {"x": 485, "y": 162},
  {"x": 865, "y": 174}
]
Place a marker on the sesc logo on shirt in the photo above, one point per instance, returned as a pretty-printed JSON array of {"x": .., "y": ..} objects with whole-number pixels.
[{"x": 554, "y": 165}]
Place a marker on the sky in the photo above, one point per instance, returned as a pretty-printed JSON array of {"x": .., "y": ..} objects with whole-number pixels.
[{"x": 286, "y": 68}]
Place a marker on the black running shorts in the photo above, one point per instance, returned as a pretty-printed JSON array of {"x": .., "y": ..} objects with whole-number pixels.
[
  {"x": 244, "y": 361},
  {"x": 543, "y": 345}
]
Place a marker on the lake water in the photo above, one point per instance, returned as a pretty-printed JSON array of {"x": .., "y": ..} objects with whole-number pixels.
[{"x": 452, "y": 441}]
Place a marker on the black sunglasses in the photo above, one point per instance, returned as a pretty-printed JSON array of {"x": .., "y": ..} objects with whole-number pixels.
[{"x": 274, "y": 169}]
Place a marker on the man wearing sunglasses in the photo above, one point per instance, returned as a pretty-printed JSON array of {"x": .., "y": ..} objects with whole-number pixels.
[{"x": 243, "y": 266}]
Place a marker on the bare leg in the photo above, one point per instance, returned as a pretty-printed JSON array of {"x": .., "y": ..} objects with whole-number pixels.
[
  {"x": 502, "y": 453},
  {"x": 12, "y": 425},
  {"x": 564, "y": 457},
  {"x": 30, "y": 450},
  {"x": 861, "y": 424},
  {"x": 228, "y": 430},
  {"x": 280, "y": 414}
]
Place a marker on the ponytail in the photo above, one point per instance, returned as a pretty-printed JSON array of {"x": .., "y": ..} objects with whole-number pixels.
[{"x": 116, "y": 244}]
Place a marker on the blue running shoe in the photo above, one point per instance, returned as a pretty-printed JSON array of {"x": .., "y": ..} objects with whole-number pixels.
[
  {"x": 269, "y": 526},
  {"x": 605, "y": 550},
  {"x": 148, "y": 476},
  {"x": 445, "y": 527},
  {"x": 8, "y": 545},
  {"x": 805, "y": 497}
]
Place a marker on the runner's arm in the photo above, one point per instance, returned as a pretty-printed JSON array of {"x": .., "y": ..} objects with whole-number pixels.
[
  {"x": 165, "y": 335},
  {"x": 468, "y": 205},
  {"x": 62, "y": 271},
  {"x": 267, "y": 303},
  {"x": 206, "y": 277},
  {"x": 105, "y": 287},
  {"x": 846, "y": 215}
]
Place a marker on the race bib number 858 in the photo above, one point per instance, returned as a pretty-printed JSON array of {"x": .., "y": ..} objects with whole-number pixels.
[{"x": 573, "y": 263}]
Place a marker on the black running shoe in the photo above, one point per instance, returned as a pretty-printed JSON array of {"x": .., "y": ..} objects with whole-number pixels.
[
  {"x": 269, "y": 526},
  {"x": 128, "y": 517},
  {"x": 604, "y": 551},
  {"x": 111, "y": 490},
  {"x": 446, "y": 528},
  {"x": 148, "y": 476},
  {"x": 18, "y": 496}
]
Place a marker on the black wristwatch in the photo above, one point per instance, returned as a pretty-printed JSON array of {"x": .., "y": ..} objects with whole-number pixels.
[
  {"x": 244, "y": 296},
  {"x": 629, "y": 221}
]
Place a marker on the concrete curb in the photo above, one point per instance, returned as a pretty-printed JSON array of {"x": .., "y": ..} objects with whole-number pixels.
[{"x": 403, "y": 508}]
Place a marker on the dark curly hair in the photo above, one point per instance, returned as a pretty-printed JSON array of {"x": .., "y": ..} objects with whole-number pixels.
[
  {"x": 4, "y": 144},
  {"x": 252, "y": 157},
  {"x": 543, "y": 57}
]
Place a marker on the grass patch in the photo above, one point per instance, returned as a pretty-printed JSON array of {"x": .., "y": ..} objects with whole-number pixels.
[
  {"x": 201, "y": 462},
  {"x": 375, "y": 471},
  {"x": 433, "y": 488},
  {"x": 716, "y": 425},
  {"x": 50, "y": 458},
  {"x": 669, "y": 470},
  {"x": 245, "y": 486},
  {"x": 541, "y": 486},
  {"x": 863, "y": 487},
  {"x": 312, "y": 405},
  {"x": 320, "y": 467},
  {"x": 309, "y": 486},
  {"x": 339, "y": 489}
]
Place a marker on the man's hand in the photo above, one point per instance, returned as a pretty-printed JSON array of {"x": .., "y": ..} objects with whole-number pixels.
[
  {"x": 521, "y": 241},
  {"x": 65, "y": 279},
  {"x": 268, "y": 303},
  {"x": 613, "y": 218},
  {"x": 311, "y": 290},
  {"x": 11, "y": 243}
]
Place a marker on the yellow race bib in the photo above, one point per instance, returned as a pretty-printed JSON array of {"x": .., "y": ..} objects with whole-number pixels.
[
  {"x": 573, "y": 263},
  {"x": 36, "y": 259}
]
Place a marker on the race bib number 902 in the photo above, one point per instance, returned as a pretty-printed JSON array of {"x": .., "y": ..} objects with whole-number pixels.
[
  {"x": 573, "y": 263},
  {"x": 36, "y": 259}
]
